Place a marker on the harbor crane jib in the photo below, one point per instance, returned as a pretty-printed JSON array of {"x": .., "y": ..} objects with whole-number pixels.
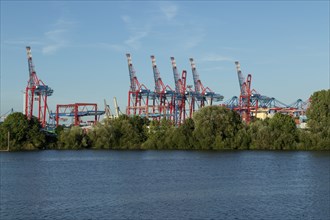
[
  {"x": 203, "y": 94},
  {"x": 176, "y": 75}
]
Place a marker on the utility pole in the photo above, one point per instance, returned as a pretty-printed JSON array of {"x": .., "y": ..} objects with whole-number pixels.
[{"x": 8, "y": 141}]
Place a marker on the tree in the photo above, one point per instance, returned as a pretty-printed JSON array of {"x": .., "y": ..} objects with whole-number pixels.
[
  {"x": 319, "y": 119},
  {"x": 318, "y": 111},
  {"x": 73, "y": 139},
  {"x": 36, "y": 138},
  {"x": 182, "y": 137},
  {"x": 242, "y": 139},
  {"x": 102, "y": 136},
  {"x": 284, "y": 132},
  {"x": 160, "y": 135},
  {"x": 136, "y": 132},
  {"x": 276, "y": 133},
  {"x": 216, "y": 127},
  {"x": 120, "y": 133},
  {"x": 260, "y": 134},
  {"x": 25, "y": 134}
]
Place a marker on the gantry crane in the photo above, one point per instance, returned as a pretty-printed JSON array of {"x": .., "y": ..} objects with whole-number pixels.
[
  {"x": 138, "y": 94},
  {"x": 76, "y": 111},
  {"x": 180, "y": 93},
  {"x": 203, "y": 94},
  {"x": 165, "y": 95},
  {"x": 247, "y": 99},
  {"x": 36, "y": 90},
  {"x": 250, "y": 100}
]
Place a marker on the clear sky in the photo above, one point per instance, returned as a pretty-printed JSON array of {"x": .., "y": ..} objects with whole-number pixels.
[{"x": 79, "y": 47}]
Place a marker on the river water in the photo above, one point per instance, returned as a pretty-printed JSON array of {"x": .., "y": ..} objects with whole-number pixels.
[{"x": 165, "y": 185}]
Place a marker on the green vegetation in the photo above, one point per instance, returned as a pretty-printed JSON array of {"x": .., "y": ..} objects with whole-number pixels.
[
  {"x": 318, "y": 136},
  {"x": 121, "y": 133},
  {"x": 216, "y": 128},
  {"x": 211, "y": 128},
  {"x": 277, "y": 133},
  {"x": 24, "y": 134}
]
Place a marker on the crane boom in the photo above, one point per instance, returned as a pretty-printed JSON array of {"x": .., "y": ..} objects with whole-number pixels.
[
  {"x": 29, "y": 93},
  {"x": 241, "y": 78},
  {"x": 32, "y": 74},
  {"x": 159, "y": 86},
  {"x": 176, "y": 75},
  {"x": 195, "y": 76},
  {"x": 131, "y": 71}
]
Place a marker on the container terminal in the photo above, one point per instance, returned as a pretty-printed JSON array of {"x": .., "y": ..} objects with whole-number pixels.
[{"x": 175, "y": 103}]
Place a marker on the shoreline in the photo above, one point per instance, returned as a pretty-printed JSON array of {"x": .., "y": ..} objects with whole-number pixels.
[{"x": 187, "y": 150}]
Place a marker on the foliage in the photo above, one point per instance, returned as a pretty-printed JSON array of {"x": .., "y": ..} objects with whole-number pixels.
[
  {"x": 260, "y": 134},
  {"x": 59, "y": 129},
  {"x": 24, "y": 134},
  {"x": 73, "y": 139},
  {"x": 102, "y": 136},
  {"x": 242, "y": 140},
  {"x": 276, "y": 133},
  {"x": 211, "y": 128},
  {"x": 120, "y": 133},
  {"x": 318, "y": 115},
  {"x": 216, "y": 128},
  {"x": 182, "y": 136},
  {"x": 283, "y": 130},
  {"x": 318, "y": 112},
  {"x": 159, "y": 135}
]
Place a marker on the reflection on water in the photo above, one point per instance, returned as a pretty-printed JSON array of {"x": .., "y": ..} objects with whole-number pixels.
[{"x": 165, "y": 184}]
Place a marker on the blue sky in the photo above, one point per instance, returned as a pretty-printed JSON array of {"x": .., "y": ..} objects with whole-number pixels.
[{"x": 79, "y": 47}]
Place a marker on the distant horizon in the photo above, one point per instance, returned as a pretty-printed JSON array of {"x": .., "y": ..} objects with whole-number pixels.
[{"x": 284, "y": 45}]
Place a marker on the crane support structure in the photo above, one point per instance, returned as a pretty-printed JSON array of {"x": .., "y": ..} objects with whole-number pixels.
[
  {"x": 251, "y": 102},
  {"x": 181, "y": 95},
  {"x": 165, "y": 95},
  {"x": 203, "y": 94},
  {"x": 231, "y": 103},
  {"x": 249, "y": 99},
  {"x": 139, "y": 95},
  {"x": 36, "y": 90},
  {"x": 76, "y": 111},
  {"x": 164, "y": 102}
]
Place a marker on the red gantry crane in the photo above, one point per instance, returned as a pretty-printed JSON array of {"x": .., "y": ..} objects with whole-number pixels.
[
  {"x": 246, "y": 103},
  {"x": 180, "y": 93},
  {"x": 250, "y": 101},
  {"x": 138, "y": 95},
  {"x": 164, "y": 94},
  {"x": 77, "y": 111},
  {"x": 36, "y": 90},
  {"x": 202, "y": 93}
]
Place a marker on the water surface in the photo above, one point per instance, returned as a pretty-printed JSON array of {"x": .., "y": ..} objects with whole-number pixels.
[{"x": 165, "y": 185}]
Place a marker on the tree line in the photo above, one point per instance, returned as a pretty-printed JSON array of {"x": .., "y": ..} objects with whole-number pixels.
[{"x": 211, "y": 128}]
